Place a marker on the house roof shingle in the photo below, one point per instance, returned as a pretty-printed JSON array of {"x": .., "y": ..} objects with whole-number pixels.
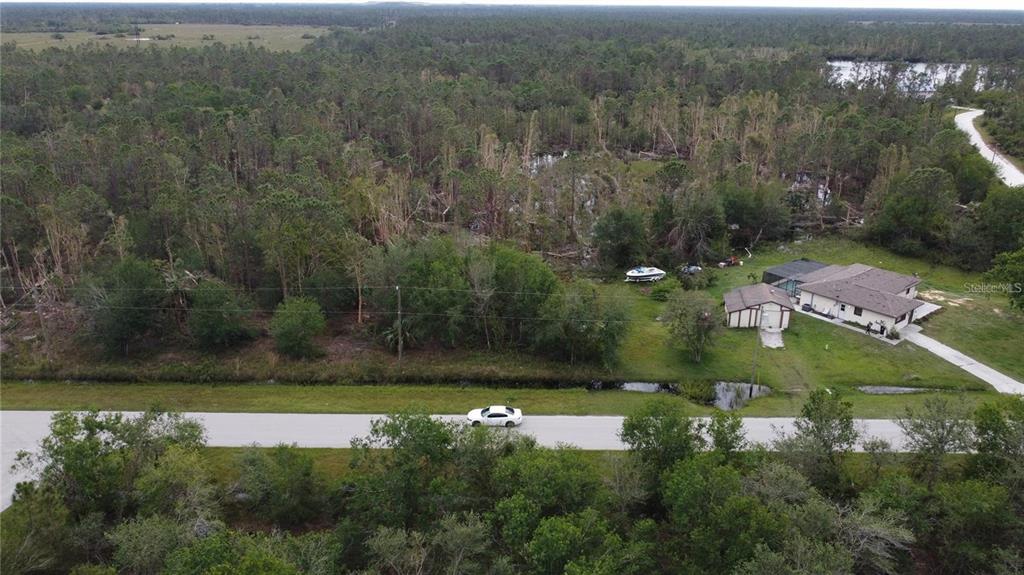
[
  {"x": 754, "y": 295},
  {"x": 864, "y": 276},
  {"x": 865, "y": 287}
]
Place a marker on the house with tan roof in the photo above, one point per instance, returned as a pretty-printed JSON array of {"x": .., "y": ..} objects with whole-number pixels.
[{"x": 860, "y": 294}]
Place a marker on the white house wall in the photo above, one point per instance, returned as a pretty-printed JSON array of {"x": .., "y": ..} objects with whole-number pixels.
[{"x": 826, "y": 305}]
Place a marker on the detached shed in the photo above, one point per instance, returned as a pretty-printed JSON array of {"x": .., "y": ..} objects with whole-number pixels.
[
  {"x": 758, "y": 305},
  {"x": 789, "y": 275}
]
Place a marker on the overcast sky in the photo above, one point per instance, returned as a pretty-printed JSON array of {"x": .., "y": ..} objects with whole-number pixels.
[{"x": 917, "y": 4}]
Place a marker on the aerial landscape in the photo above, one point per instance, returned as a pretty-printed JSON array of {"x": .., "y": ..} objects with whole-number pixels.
[{"x": 439, "y": 289}]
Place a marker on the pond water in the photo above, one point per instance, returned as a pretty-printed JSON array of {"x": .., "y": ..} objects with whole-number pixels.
[
  {"x": 730, "y": 395},
  {"x": 916, "y": 78},
  {"x": 641, "y": 387},
  {"x": 890, "y": 390}
]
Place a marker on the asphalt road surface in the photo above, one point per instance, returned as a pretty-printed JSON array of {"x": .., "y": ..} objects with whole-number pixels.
[{"x": 23, "y": 430}]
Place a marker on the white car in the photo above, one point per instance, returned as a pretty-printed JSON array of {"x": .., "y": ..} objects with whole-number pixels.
[{"x": 496, "y": 416}]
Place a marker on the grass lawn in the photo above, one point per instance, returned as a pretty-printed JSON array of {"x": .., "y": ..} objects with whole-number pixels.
[
  {"x": 818, "y": 354},
  {"x": 264, "y": 398},
  {"x": 981, "y": 326},
  {"x": 278, "y": 38},
  {"x": 257, "y": 398}
]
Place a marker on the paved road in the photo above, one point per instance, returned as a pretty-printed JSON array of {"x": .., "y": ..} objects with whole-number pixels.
[
  {"x": 23, "y": 430},
  {"x": 1001, "y": 382},
  {"x": 1008, "y": 172}
]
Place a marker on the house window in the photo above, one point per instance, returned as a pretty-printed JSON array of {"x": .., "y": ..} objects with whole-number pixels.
[
  {"x": 858, "y": 311},
  {"x": 908, "y": 291},
  {"x": 842, "y": 307}
]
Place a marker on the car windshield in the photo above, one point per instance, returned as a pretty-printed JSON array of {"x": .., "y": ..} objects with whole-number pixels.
[
  {"x": 485, "y": 411},
  {"x": 509, "y": 410}
]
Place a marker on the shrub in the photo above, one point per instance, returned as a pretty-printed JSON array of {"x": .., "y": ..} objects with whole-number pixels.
[
  {"x": 701, "y": 280},
  {"x": 125, "y": 303},
  {"x": 281, "y": 485},
  {"x": 664, "y": 288},
  {"x": 142, "y": 545},
  {"x": 698, "y": 391},
  {"x": 580, "y": 326},
  {"x": 332, "y": 289},
  {"x": 693, "y": 320},
  {"x": 217, "y": 316},
  {"x": 296, "y": 321}
]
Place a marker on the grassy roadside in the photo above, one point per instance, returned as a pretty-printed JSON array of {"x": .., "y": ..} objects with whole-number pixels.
[{"x": 257, "y": 398}]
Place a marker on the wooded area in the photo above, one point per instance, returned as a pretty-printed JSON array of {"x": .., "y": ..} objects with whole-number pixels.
[
  {"x": 467, "y": 180},
  {"x": 423, "y": 496},
  {"x": 318, "y": 173}
]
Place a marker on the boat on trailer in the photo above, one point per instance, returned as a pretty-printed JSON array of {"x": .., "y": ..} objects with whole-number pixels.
[{"x": 644, "y": 274}]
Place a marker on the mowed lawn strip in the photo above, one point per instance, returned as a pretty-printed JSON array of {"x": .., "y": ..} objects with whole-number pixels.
[
  {"x": 256, "y": 398},
  {"x": 259, "y": 398}
]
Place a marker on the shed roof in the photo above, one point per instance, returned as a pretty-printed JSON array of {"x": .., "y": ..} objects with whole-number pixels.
[
  {"x": 795, "y": 269},
  {"x": 755, "y": 295}
]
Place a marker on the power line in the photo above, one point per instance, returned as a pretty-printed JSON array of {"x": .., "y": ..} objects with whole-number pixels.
[
  {"x": 374, "y": 312},
  {"x": 345, "y": 287}
]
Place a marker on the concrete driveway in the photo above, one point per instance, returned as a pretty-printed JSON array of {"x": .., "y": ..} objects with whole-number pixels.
[
  {"x": 1001, "y": 382},
  {"x": 23, "y": 430}
]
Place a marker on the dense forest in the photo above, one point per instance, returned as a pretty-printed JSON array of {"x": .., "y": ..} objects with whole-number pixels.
[
  {"x": 417, "y": 146},
  {"x": 422, "y": 496},
  {"x": 467, "y": 180}
]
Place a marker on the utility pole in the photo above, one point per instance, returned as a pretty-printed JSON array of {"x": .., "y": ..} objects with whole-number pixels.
[
  {"x": 398, "y": 290},
  {"x": 753, "y": 368}
]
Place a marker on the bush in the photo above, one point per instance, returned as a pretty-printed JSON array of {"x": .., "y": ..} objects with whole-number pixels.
[
  {"x": 280, "y": 484},
  {"x": 693, "y": 319},
  {"x": 700, "y": 392},
  {"x": 580, "y": 326},
  {"x": 142, "y": 545},
  {"x": 332, "y": 289},
  {"x": 125, "y": 303},
  {"x": 296, "y": 321},
  {"x": 700, "y": 280},
  {"x": 664, "y": 288},
  {"x": 217, "y": 316}
]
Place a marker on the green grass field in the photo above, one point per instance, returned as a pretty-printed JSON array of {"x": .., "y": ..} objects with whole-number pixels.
[
  {"x": 278, "y": 38},
  {"x": 257, "y": 398},
  {"x": 982, "y": 326}
]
